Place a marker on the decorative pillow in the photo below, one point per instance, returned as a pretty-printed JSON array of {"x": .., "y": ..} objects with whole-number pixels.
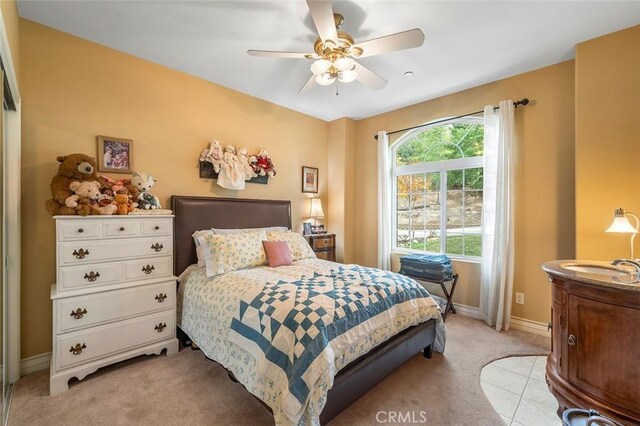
[
  {"x": 238, "y": 230},
  {"x": 278, "y": 253},
  {"x": 300, "y": 248},
  {"x": 199, "y": 249},
  {"x": 230, "y": 252}
]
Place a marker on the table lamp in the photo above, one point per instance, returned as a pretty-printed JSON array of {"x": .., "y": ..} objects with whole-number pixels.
[
  {"x": 315, "y": 213},
  {"x": 622, "y": 225}
]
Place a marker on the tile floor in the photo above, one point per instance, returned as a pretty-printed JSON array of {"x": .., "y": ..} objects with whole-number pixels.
[{"x": 516, "y": 388}]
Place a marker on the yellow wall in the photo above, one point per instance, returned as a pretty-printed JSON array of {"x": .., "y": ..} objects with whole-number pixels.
[
  {"x": 544, "y": 171},
  {"x": 10, "y": 18},
  {"x": 607, "y": 140},
  {"x": 341, "y": 186},
  {"x": 74, "y": 90}
]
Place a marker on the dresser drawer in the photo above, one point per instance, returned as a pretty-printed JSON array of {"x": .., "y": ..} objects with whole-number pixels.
[
  {"x": 73, "y": 253},
  {"x": 98, "y": 342},
  {"x": 322, "y": 243},
  {"x": 75, "y": 313},
  {"x": 148, "y": 268},
  {"x": 121, "y": 228},
  {"x": 151, "y": 227},
  {"x": 78, "y": 230},
  {"x": 98, "y": 274}
]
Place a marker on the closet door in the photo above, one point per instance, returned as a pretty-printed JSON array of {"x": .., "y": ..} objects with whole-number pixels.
[{"x": 3, "y": 276}]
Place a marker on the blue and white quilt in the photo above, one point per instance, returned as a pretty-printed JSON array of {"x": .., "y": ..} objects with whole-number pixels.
[{"x": 301, "y": 324}]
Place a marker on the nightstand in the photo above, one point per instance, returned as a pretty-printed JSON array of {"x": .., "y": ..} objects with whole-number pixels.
[{"x": 324, "y": 245}]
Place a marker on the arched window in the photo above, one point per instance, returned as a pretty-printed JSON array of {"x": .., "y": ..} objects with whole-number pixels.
[{"x": 437, "y": 188}]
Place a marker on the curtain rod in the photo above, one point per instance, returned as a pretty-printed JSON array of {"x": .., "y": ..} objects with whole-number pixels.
[{"x": 524, "y": 101}]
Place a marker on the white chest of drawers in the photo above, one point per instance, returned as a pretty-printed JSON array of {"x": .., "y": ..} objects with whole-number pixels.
[{"x": 114, "y": 296}]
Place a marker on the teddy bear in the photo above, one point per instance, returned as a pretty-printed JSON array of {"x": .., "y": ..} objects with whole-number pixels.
[
  {"x": 123, "y": 204},
  {"x": 253, "y": 162},
  {"x": 73, "y": 167},
  {"x": 143, "y": 182},
  {"x": 116, "y": 185},
  {"x": 84, "y": 199},
  {"x": 265, "y": 164}
]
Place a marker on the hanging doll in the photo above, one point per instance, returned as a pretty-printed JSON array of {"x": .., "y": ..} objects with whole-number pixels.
[
  {"x": 231, "y": 173},
  {"x": 213, "y": 155},
  {"x": 265, "y": 164},
  {"x": 246, "y": 166}
]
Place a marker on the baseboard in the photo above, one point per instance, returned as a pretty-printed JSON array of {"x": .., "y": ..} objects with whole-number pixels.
[
  {"x": 534, "y": 327},
  {"x": 516, "y": 323},
  {"x": 35, "y": 363},
  {"x": 467, "y": 311}
]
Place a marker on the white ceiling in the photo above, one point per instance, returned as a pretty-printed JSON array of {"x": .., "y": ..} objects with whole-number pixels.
[{"x": 467, "y": 43}]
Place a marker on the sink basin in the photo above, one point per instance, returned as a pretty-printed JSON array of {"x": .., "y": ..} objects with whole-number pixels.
[{"x": 609, "y": 271}]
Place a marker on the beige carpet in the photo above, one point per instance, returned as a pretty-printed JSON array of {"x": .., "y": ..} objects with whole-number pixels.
[{"x": 188, "y": 389}]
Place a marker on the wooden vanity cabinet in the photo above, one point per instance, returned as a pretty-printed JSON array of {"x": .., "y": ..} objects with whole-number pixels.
[{"x": 595, "y": 357}]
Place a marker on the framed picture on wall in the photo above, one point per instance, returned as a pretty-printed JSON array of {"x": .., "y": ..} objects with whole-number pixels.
[
  {"x": 309, "y": 180},
  {"x": 115, "y": 155}
]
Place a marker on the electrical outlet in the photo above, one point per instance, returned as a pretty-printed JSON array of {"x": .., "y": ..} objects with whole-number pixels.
[{"x": 520, "y": 298}]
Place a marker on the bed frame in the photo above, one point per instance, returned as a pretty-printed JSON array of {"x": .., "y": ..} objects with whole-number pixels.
[{"x": 355, "y": 379}]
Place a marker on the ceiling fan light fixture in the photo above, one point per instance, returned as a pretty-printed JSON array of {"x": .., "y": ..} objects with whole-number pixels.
[
  {"x": 347, "y": 76},
  {"x": 325, "y": 79},
  {"x": 344, "y": 63},
  {"x": 321, "y": 66}
]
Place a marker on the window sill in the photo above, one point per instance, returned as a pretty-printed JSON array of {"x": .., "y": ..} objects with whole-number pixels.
[{"x": 474, "y": 260}]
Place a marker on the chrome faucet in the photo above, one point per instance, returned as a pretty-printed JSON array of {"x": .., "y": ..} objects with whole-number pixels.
[{"x": 629, "y": 262}]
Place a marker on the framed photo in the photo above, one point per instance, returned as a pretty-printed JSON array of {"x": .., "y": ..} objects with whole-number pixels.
[
  {"x": 307, "y": 228},
  {"x": 309, "y": 180},
  {"x": 115, "y": 155}
]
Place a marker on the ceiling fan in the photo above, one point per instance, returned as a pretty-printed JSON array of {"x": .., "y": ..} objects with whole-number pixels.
[{"x": 334, "y": 52}]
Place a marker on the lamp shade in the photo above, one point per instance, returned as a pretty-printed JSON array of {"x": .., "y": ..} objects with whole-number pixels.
[
  {"x": 621, "y": 224},
  {"x": 316, "y": 212}
]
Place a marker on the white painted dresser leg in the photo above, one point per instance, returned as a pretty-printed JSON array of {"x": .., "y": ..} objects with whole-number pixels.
[
  {"x": 58, "y": 385},
  {"x": 173, "y": 347}
]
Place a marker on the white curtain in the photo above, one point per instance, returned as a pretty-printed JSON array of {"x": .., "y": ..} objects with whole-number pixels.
[
  {"x": 384, "y": 202},
  {"x": 497, "y": 216}
]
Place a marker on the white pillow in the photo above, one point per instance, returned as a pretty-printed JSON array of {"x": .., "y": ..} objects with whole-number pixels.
[
  {"x": 221, "y": 231},
  {"x": 199, "y": 249},
  {"x": 230, "y": 252}
]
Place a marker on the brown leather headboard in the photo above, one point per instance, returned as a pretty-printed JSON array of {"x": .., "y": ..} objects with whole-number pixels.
[{"x": 196, "y": 213}]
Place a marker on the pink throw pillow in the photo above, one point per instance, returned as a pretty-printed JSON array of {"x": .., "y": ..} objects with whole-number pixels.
[{"x": 278, "y": 253}]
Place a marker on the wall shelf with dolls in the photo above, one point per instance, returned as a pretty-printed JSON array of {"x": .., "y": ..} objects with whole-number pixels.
[{"x": 233, "y": 168}]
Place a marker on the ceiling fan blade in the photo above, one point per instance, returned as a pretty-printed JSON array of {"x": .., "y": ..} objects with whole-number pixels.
[
  {"x": 273, "y": 54},
  {"x": 369, "y": 78},
  {"x": 309, "y": 85},
  {"x": 391, "y": 43},
  {"x": 322, "y": 14}
]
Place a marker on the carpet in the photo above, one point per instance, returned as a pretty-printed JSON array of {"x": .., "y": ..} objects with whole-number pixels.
[{"x": 188, "y": 389}]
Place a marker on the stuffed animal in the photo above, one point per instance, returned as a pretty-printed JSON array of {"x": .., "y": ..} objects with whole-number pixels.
[
  {"x": 117, "y": 185},
  {"x": 84, "y": 199},
  {"x": 213, "y": 155},
  {"x": 144, "y": 182},
  {"x": 265, "y": 164},
  {"x": 73, "y": 167},
  {"x": 123, "y": 204},
  {"x": 253, "y": 162}
]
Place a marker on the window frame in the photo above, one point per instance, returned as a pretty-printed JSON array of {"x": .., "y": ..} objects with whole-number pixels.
[{"x": 441, "y": 167}]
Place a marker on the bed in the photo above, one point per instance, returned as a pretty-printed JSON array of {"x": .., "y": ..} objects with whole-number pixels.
[{"x": 389, "y": 349}]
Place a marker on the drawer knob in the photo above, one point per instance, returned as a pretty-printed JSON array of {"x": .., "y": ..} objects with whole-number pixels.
[
  {"x": 148, "y": 269},
  {"x": 572, "y": 340},
  {"x": 122, "y": 228},
  {"x": 80, "y": 254},
  {"x": 157, "y": 228},
  {"x": 160, "y": 327},
  {"x": 160, "y": 297},
  {"x": 92, "y": 276},
  {"x": 80, "y": 230},
  {"x": 79, "y": 313},
  {"x": 77, "y": 349},
  {"x": 157, "y": 247}
]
